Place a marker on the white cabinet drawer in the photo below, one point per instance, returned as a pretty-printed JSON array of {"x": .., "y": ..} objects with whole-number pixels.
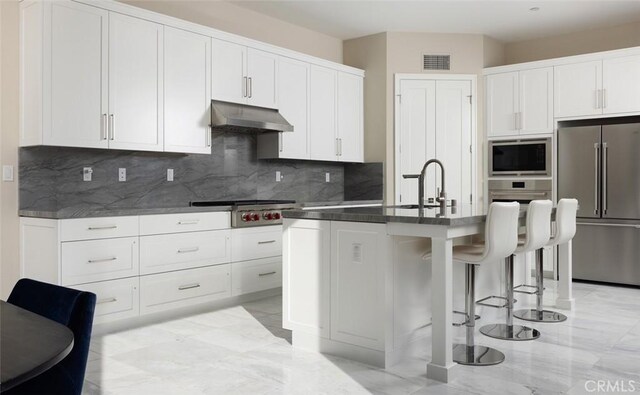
[
  {"x": 98, "y": 260},
  {"x": 162, "y": 253},
  {"x": 188, "y": 222},
  {"x": 165, "y": 291},
  {"x": 115, "y": 299},
  {"x": 256, "y": 275},
  {"x": 256, "y": 243},
  {"x": 98, "y": 228}
]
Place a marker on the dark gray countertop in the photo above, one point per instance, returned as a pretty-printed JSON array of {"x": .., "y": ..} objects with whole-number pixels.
[{"x": 84, "y": 212}]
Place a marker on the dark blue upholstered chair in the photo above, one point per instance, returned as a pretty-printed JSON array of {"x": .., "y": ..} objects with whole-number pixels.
[{"x": 71, "y": 308}]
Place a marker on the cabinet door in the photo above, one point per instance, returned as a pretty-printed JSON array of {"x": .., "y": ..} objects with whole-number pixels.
[
  {"x": 350, "y": 118},
  {"x": 536, "y": 101},
  {"x": 187, "y": 91},
  {"x": 135, "y": 83},
  {"x": 293, "y": 87},
  {"x": 262, "y": 74},
  {"x": 78, "y": 90},
  {"x": 306, "y": 260},
  {"x": 358, "y": 257},
  {"x": 576, "y": 89},
  {"x": 621, "y": 85},
  {"x": 322, "y": 113},
  {"x": 229, "y": 71},
  {"x": 502, "y": 104}
]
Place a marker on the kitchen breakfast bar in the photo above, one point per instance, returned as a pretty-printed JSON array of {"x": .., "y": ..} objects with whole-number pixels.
[{"x": 356, "y": 283}]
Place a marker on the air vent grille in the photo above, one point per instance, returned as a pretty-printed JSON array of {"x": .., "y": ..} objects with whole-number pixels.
[{"x": 436, "y": 62}]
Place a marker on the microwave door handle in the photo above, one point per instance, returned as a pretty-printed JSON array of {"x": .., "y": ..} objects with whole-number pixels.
[{"x": 596, "y": 198}]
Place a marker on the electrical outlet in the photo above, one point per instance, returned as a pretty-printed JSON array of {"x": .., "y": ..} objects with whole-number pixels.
[
  {"x": 7, "y": 173},
  {"x": 278, "y": 176},
  {"x": 122, "y": 174},
  {"x": 87, "y": 173},
  {"x": 169, "y": 174},
  {"x": 327, "y": 177}
]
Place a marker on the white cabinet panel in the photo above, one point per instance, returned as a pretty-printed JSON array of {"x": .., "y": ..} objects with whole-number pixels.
[
  {"x": 161, "y": 253},
  {"x": 255, "y": 243},
  {"x": 576, "y": 89},
  {"x": 262, "y": 74},
  {"x": 187, "y": 91},
  {"x": 350, "y": 118},
  {"x": 135, "y": 83},
  {"x": 502, "y": 104},
  {"x": 306, "y": 276},
  {"x": 536, "y": 101},
  {"x": 185, "y": 222},
  {"x": 358, "y": 263},
  {"x": 621, "y": 85},
  {"x": 293, "y": 88},
  {"x": 98, "y": 260},
  {"x": 78, "y": 79},
  {"x": 171, "y": 290},
  {"x": 256, "y": 275},
  {"x": 229, "y": 71},
  {"x": 115, "y": 299},
  {"x": 322, "y": 113}
]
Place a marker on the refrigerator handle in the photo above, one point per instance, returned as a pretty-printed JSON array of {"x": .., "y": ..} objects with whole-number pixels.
[
  {"x": 605, "y": 176},
  {"x": 596, "y": 147}
]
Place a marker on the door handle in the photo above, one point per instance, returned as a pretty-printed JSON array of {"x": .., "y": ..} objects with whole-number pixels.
[
  {"x": 266, "y": 242},
  {"x": 266, "y": 274},
  {"x": 605, "y": 176},
  {"x": 106, "y": 300},
  {"x": 208, "y": 136},
  {"x": 112, "y": 127},
  {"x": 189, "y": 222},
  {"x": 280, "y": 141},
  {"x": 102, "y": 227},
  {"x": 604, "y": 98},
  {"x": 185, "y": 250},
  {"x": 250, "y": 88},
  {"x": 102, "y": 260},
  {"x": 596, "y": 147},
  {"x": 245, "y": 87},
  {"x": 188, "y": 286},
  {"x": 103, "y": 127}
]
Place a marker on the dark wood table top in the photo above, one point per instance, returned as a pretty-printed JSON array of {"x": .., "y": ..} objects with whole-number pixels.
[{"x": 29, "y": 344}]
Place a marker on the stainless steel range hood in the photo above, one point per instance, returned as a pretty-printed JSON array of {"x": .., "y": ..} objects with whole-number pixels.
[{"x": 246, "y": 118}]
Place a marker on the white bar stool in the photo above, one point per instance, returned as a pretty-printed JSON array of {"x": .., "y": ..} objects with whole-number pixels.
[
  {"x": 501, "y": 240},
  {"x": 538, "y": 233},
  {"x": 565, "y": 230}
]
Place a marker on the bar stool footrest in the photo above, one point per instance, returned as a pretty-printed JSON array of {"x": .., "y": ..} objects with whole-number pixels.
[
  {"x": 535, "y": 292},
  {"x": 463, "y": 323},
  {"x": 482, "y": 302}
]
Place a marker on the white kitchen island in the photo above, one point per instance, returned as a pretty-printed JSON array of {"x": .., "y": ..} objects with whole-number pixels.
[{"x": 355, "y": 283}]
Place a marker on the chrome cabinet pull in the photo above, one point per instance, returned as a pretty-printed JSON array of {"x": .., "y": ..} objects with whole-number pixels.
[
  {"x": 597, "y": 91},
  {"x": 106, "y": 300},
  {"x": 519, "y": 193},
  {"x": 605, "y": 176},
  {"x": 102, "y": 260},
  {"x": 596, "y": 147},
  {"x": 102, "y": 227},
  {"x": 337, "y": 148},
  {"x": 266, "y": 274},
  {"x": 340, "y": 147},
  {"x": 266, "y": 242},
  {"x": 208, "y": 136},
  {"x": 280, "y": 141},
  {"x": 250, "y": 88},
  {"x": 604, "y": 98},
  {"x": 191, "y": 222},
  {"x": 103, "y": 127},
  {"x": 112, "y": 127},
  {"x": 245, "y": 87},
  {"x": 185, "y": 250},
  {"x": 189, "y": 286}
]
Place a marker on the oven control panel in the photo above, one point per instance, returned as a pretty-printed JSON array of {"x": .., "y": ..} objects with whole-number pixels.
[{"x": 249, "y": 218}]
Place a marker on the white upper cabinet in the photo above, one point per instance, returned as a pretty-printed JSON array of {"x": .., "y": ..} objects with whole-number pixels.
[
  {"x": 577, "y": 89},
  {"x": 502, "y": 104},
  {"x": 229, "y": 71},
  {"x": 293, "y": 84},
  {"x": 187, "y": 91},
  {"x": 350, "y": 118},
  {"x": 262, "y": 76},
  {"x": 520, "y": 102},
  {"x": 621, "y": 85},
  {"x": 323, "y": 114},
  {"x": 135, "y": 84},
  {"x": 244, "y": 75}
]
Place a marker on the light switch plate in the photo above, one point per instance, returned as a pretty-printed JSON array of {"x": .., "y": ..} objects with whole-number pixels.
[
  {"x": 169, "y": 174},
  {"x": 87, "y": 173},
  {"x": 7, "y": 173},
  {"x": 122, "y": 174},
  {"x": 278, "y": 176}
]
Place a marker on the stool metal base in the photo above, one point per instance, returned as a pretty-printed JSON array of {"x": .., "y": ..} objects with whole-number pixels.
[
  {"x": 540, "y": 316},
  {"x": 476, "y": 355},
  {"x": 510, "y": 332}
]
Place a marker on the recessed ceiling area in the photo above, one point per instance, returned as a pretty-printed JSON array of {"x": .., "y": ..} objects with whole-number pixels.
[{"x": 507, "y": 21}]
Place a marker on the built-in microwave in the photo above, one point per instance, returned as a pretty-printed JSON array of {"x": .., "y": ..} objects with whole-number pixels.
[{"x": 522, "y": 157}]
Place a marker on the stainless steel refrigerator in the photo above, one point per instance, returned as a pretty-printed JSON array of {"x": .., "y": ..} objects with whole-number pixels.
[{"x": 600, "y": 166}]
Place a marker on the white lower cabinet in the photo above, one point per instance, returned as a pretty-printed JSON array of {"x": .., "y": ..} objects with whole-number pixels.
[
  {"x": 254, "y": 243},
  {"x": 256, "y": 275},
  {"x": 159, "y": 292},
  {"x": 115, "y": 299}
]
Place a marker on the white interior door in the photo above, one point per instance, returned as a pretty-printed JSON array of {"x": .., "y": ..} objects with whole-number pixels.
[
  {"x": 453, "y": 138},
  {"x": 621, "y": 84},
  {"x": 293, "y": 84},
  {"x": 229, "y": 71},
  {"x": 416, "y": 137},
  {"x": 262, "y": 73},
  {"x": 78, "y": 78},
  {"x": 187, "y": 91},
  {"x": 135, "y": 83}
]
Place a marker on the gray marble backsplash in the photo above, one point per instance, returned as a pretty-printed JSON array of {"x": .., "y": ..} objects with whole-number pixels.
[{"x": 51, "y": 177}]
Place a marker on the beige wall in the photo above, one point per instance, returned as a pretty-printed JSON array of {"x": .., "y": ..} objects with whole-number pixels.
[
  {"x": 234, "y": 19},
  {"x": 617, "y": 37},
  {"x": 9, "y": 258},
  {"x": 469, "y": 54}
]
